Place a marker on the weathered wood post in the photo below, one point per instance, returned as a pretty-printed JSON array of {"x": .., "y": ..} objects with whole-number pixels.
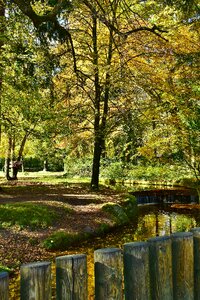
[
  {"x": 196, "y": 234},
  {"x": 108, "y": 274},
  {"x": 183, "y": 265},
  {"x": 160, "y": 264},
  {"x": 4, "y": 279},
  {"x": 136, "y": 271},
  {"x": 71, "y": 277},
  {"x": 36, "y": 281}
]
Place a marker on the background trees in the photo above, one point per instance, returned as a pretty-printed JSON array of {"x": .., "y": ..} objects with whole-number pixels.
[
  {"x": 118, "y": 75},
  {"x": 26, "y": 92}
]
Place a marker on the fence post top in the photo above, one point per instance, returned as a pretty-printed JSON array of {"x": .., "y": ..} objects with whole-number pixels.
[
  {"x": 108, "y": 250},
  {"x": 159, "y": 239},
  {"x": 195, "y": 230},
  {"x": 72, "y": 256},
  {"x": 136, "y": 244},
  {"x": 38, "y": 264},
  {"x": 181, "y": 235}
]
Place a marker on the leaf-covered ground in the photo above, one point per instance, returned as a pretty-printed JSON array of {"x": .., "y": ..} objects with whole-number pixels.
[{"x": 76, "y": 208}]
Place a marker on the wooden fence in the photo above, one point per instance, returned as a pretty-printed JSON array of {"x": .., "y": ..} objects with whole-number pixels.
[{"x": 162, "y": 268}]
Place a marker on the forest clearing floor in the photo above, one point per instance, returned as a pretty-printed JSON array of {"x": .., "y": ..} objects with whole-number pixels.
[{"x": 84, "y": 214}]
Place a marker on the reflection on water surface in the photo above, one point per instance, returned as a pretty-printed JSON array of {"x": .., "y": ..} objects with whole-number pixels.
[{"x": 151, "y": 221}]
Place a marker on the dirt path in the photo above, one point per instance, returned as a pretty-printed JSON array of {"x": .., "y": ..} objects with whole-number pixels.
[{"x": 18, "y": 245}]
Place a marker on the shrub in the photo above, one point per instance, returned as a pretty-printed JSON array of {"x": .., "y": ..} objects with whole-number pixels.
[
  {"x": 113, "y": 170},
  {"x": 156, "y": 173},
  {"x": 78, "y": 167}
]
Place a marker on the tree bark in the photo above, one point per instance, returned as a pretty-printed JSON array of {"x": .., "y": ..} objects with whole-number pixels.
[
  {"x": 97, "y": 134},
  {"x": 16, "y": 164},
  {"x": 100, "y": 122},
  {"x": 8, "y": 159}
]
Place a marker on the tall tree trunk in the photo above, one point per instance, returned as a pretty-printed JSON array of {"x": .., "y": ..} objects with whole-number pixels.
[
  {"x": 16, "y": 163},
  {"x": 8, "y": 159},
  {"x": 100, "y": 123},
  {"x": 97, "y": 138}
]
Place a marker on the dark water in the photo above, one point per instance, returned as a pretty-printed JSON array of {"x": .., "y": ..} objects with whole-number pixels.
[
  {"x": 165, "y": 196},
  {"x": 152, "y": 220}
]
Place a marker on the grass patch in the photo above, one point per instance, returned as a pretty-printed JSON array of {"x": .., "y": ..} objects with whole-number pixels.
[
  {"x": 26, "y": 215},
  {"x": 61, "y": 240}
]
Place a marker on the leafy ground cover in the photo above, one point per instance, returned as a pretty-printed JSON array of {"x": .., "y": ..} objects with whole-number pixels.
[{"x": 31, "y": 211}]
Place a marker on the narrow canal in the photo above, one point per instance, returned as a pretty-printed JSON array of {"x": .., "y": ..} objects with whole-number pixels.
[{"x": 152, "y": 220}]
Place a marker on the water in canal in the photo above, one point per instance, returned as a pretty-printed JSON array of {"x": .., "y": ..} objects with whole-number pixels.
[{"x": 152, "y": 220}]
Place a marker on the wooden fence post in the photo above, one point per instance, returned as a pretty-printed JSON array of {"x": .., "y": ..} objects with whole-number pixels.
[
  {"x": 108, "y": 274},
  {"x": 36, "y": 281},
  {"x": 196, "y": 234},
  {"x": 4, "y": 279},
  {"x": 183, "y": 265},
  {"x": 71, "y": 277},
  {"x": 160, "y": 264},
  {"x": 136, "y": 271}
]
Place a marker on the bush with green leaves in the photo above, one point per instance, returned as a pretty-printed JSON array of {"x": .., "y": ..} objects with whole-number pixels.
[
  {"x": 113, "y": 170},
  {"x": 117, "y": 170},
  {"x": 75, "y": 167},
  {"x": 157, "y": 173}
]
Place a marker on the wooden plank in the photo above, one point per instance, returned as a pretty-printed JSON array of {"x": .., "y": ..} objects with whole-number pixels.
[
  {"x": 183, "y": 265},
  {"x": 36, "y": 281},
  {"x": 196, "y": 234},
  {"x": 4, "y": 281},
  {"x": 136, "y": 271},
  {"x": 160, "y": 263},
  {"x": 71, "y": 277},
  {"x": 108, "y": 274}
]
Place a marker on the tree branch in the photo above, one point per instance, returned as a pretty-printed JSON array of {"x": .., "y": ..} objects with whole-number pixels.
[{"x": 155, "y": 29}]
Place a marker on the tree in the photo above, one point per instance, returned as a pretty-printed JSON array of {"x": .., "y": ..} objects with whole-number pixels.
[
  {"x": 26, "y": 94},
  {"x": 176, "y": 134},
  {"x": 109, "y": 15},
  {"x": 128, "y": 29}
]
